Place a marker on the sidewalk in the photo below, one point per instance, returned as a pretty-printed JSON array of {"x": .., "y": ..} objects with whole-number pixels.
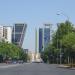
[{"x": 65, "y": 66}]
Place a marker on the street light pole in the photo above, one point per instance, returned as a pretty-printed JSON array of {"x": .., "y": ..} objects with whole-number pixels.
[
  {"x": 68, "y": 32},
  {"x": 60, "y": 43},
  {"x": 64, "y": 15}
]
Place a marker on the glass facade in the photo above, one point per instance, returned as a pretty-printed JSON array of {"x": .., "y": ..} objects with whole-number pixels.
[
  {"x": 19, "y": 28},
  {"x": 17, "y": 37},
  {"x": 46, "y": 37},
  {"x": 40, "y": 39},
  {"x": 18, "y": 33}
]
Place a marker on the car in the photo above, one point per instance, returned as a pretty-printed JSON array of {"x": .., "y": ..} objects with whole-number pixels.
[
  {"x": 37, "y": 61},
  {"x": 14, "y": 61},
  {"x": 20, "y": 61},
  {"x": 8, "y": 61}
]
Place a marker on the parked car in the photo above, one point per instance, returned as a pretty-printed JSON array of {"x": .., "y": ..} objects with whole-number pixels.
[
  {"x": 20, "y": 61},
  {"x": 8, "y": 61},
  {"x": 14, "y": 62}
]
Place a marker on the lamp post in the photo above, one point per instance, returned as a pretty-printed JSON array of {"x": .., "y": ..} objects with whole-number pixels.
[
  {"x": 60, "y": 44},
  {"x": 68, "y": 32},
  {"x": 63, "y": 15}
]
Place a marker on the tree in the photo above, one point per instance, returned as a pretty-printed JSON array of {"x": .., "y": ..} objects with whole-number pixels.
[
  {"x": 69, "y": 44},
  {"x": 49, "y": 54},
  {"x": 52, "y": 52},
  {"x": 9, "y": 50},
  {"x": 63, "y": 29},
  {"x": 23, "y": 55}
]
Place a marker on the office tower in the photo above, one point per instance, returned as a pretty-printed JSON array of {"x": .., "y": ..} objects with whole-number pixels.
[
  {"x": 40, "y": 39},
  {"x": 18, "y": 33},
  {"x": 6, "y": 33},
  {"x": 1, "y": 32},
  {"x": 46, "y": 35}
]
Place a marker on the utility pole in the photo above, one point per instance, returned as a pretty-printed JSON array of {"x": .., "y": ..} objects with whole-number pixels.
[
  {"x": 68, "y": 32},
  {"x": 60, "y": 45}
]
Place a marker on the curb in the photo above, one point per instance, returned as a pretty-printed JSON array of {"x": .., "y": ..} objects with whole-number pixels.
[
  {"x": 66, "y": 67},
  {"x": 62, "y": 66},
  {"x": 7, "y": 66}
]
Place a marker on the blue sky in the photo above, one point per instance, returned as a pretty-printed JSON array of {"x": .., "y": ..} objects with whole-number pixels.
[{"x": 35, "y": 13}]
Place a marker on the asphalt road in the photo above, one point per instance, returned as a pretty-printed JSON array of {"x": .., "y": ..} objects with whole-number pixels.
[{"x": 36, "y": 69}]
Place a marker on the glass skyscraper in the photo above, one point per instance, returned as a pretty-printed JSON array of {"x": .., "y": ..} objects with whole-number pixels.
[
  {"x": 19, "y": 30},
  {"x": 40, "y": 39},
  {"x": 44, "y": 37}
]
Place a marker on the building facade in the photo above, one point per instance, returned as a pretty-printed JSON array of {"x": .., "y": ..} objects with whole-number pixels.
[
  {"x": 1, "y": 31},
  {"x": 40, "y": 39},
  {"x": 18, "y": 33},
  {"x": 44, "y": 37},
  {"x": 6, "y": 33},
  {"x": 13, "y": 34}
]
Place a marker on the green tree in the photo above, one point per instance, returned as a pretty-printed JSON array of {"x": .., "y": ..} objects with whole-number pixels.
[
  {"x": 48, "y": 54},
  {"x": 9, "y": 50},
  {"x": 52, "y": 52},
  {"x": 68, "y": 42},
  {"x": 63, "y": 29},
  {"x": 23, "y": 55}
]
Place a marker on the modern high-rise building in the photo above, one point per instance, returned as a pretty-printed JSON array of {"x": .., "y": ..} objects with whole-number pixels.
[
  {"x": 40, "y": 39},
  {"x": 44, "y": 37},
  {"x": 1, "y": 31},
  {"x": 6, "y": 33},
  {"x": 13, "y": 34},
  {"x": 18, "y": 33}
]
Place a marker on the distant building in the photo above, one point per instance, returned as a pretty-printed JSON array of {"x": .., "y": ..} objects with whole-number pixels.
[
  {"x": 13, "y": 34},
  {"x": 44, "y": 37},
  {"x": 25, "y": 51},
  {"x": 1, "y": 31},
  {"x": 6, "y": 33},
  {"x": 40, "y": 39},
  {"x": 31, "y": 56},
  {"x": 18, "y": 33}
]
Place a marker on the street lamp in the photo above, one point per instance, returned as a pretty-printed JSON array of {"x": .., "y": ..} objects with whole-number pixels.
[
  {"x": 68, "y": 32},
  {"x": 64, "y": 15},
  {"x": 60, "y": 44}
]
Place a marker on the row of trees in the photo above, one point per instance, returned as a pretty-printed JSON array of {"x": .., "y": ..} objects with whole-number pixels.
[
  {"x": 62, "y": 47},
  {"x": 11, "y": 51}
]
